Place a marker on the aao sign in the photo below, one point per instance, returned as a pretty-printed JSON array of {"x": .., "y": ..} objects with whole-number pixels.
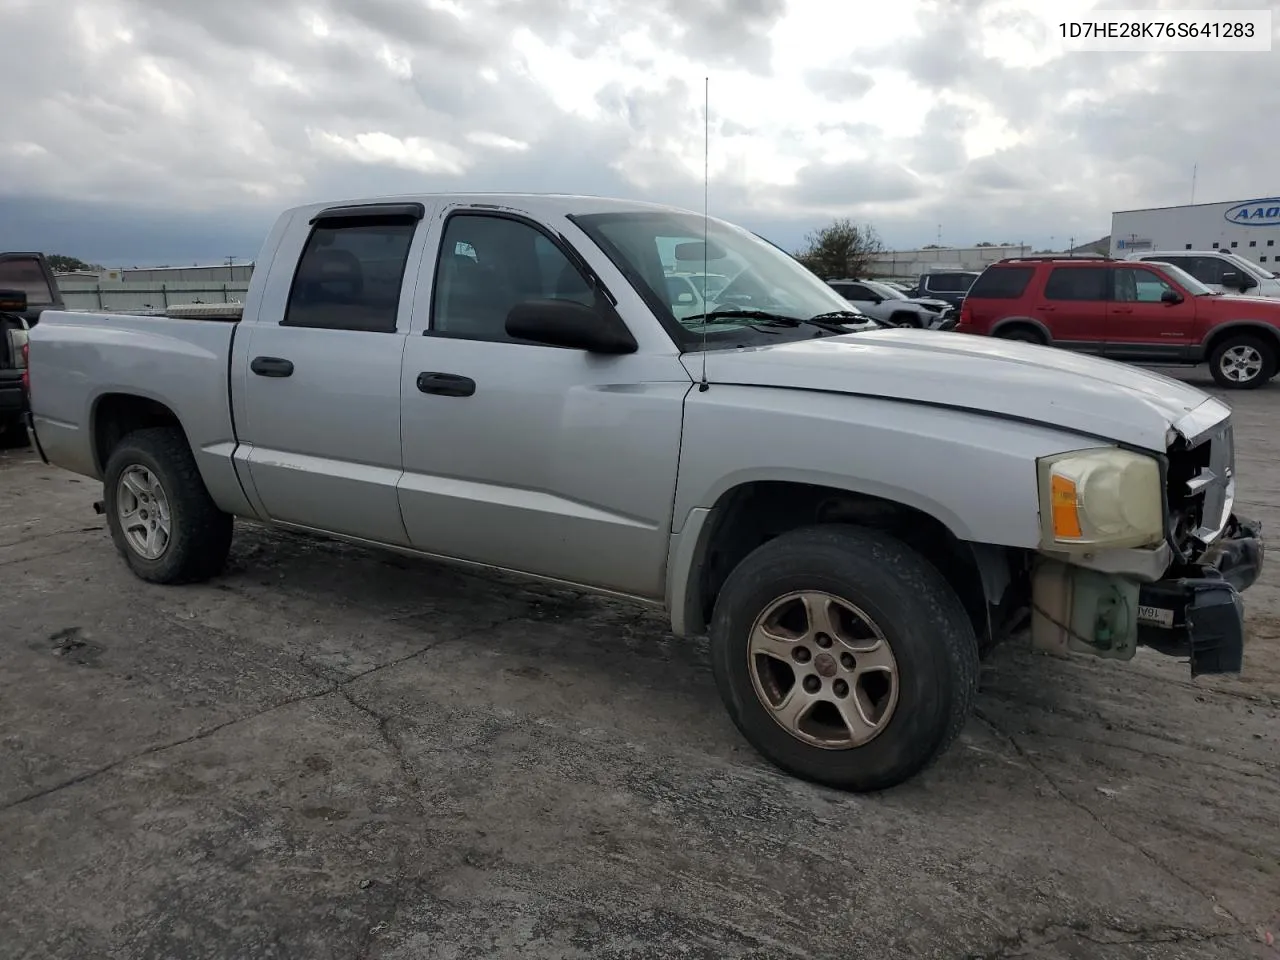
[{"x": 1256, "y": 213}]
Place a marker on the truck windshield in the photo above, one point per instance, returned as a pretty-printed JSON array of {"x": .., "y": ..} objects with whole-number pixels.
[{"x": 758, "y": 278}]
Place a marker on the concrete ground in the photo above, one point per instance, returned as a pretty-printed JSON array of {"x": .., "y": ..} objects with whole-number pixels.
[{"x": 334, "y": 753}]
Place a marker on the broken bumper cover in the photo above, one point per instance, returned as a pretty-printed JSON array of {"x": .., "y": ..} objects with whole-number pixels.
[{"x": 1198, "y": 613}]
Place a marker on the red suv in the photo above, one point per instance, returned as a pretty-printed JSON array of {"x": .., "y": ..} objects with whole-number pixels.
[{"x": 1141, "y": 312}]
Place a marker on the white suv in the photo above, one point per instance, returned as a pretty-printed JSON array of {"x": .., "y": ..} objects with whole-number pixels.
[{"x": 1219, "y": 270}]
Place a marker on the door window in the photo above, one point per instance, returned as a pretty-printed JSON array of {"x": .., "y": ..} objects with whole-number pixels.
[
  {"x": 350, "y": 274},
  {"x": 1205, "y": 269},
  {"x": 1077, "y": 283},
  {"x": 1001, "y": 283},
  {"x": 1139, "y": 285},
  {"x": 489, "y": 264}
]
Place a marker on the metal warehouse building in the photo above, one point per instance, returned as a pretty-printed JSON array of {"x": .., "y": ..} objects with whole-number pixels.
[{"x": 1250, "y": 228}]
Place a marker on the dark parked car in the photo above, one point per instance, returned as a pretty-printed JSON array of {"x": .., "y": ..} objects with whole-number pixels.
[
  {"x": 27, "y": 289},
  {"x": 948, "y": 285}
]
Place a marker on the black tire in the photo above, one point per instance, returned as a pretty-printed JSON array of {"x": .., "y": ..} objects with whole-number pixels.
[
  {"x": 1219, "y": 358},
  {"x": 1022, "y": 335},
  {"x": 13, "y": 434},
  {"x": 200, "y": 533},
  {"x": 905, "y": 320},
  {"x": 920, "y": 617}
]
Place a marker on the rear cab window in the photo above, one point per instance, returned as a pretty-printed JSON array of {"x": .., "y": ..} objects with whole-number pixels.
[{"x": 26, "y": 274}]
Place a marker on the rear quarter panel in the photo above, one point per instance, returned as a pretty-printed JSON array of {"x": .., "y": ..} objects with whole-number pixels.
[{"x": 78, "y": 359}]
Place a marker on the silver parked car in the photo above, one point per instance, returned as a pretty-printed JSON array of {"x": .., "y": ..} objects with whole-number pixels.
[{"x": 883, "y": 302}]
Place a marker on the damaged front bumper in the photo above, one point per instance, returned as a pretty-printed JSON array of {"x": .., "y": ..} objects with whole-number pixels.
[
  {"x": 1194, "y": 610},
  {"x": 1197, "y": 611}
]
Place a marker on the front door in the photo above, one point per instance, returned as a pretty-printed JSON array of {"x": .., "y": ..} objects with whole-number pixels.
[
  {"x": 1141, "y": 325},
  {"x": 540, "y": 459},
  {"x": 322, "y": 383}
]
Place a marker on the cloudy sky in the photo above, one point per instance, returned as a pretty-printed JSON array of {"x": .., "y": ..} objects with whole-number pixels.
[{"x": 168, "y": 131}]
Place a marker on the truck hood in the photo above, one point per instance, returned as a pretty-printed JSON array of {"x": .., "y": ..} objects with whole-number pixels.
[{"x": 1001, "y": 378}]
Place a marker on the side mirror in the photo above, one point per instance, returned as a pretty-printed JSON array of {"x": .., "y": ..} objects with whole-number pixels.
[
  {"x": 685, "y": 298},
  {"x": 13, "y": 301},
  {"x": 566, "y": 323},
  {"x": 1171, "y": 296},
  {"x": 1247, "y": 282},
  {"x": 1230, "y": 278}
]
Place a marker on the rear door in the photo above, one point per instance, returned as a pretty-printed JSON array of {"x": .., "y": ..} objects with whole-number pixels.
[
  {"x": 322, "y": 378},
  {"x": 1074, "y": 306},
  {"x": 1141, "y": 325}
]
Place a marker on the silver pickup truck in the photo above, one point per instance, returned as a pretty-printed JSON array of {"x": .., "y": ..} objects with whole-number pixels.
[{"x": 506, "y": 382}]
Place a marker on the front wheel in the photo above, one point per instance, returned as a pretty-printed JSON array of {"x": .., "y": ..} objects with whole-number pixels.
[
  {"x": 843, "y": 656},
  {"x": 161, "y": 517},
  {"x": 1242, "y": 362}
]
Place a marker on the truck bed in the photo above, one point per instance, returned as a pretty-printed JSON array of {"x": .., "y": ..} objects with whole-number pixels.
[{"x": 81, "y": 361}]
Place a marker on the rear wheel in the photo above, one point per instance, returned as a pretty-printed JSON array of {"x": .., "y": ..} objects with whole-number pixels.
[
  {"x": 161, "y": 517},
  {"x": 1242, "y": 362},
  {"x": 843, "y": 656}
]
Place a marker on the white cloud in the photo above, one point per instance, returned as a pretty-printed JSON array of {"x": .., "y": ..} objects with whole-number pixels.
[
  {"x": 913, "y": 113},
  {"x": 378, "y": 148}
]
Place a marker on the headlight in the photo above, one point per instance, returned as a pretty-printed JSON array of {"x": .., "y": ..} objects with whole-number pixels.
[{"x": 1105, "y": 497}]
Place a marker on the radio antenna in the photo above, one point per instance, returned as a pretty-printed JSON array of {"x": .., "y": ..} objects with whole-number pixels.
[{"x": 706, "y": 204}]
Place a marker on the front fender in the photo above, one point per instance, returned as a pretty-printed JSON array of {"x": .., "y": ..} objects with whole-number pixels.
[{"x": 974, "y": 473}]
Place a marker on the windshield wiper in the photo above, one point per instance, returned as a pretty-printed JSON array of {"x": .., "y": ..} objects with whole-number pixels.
[
  {"x": 728, "y": 316},
  {"x": 850, "y": 315},
  {"x": 823, "y": 321}
]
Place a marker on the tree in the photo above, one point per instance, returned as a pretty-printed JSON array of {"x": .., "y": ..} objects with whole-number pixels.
[
  {"x": 984, "y": 243},
  {"x": 842, "y": 249},
  {"x": 60, "y": 263}
]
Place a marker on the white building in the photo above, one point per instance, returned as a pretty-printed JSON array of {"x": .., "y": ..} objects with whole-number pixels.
[{"x": 1250, "y": 228}]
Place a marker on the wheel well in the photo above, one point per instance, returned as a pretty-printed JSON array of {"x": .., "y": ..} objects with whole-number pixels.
[
  {"x": 1025, "y": 326},
  {"x": 1265, "y": 333},
  {"x": 116, "y": 415},
  {"x": 899, "y": 316},
  {"x": 754, "y": 513}
]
